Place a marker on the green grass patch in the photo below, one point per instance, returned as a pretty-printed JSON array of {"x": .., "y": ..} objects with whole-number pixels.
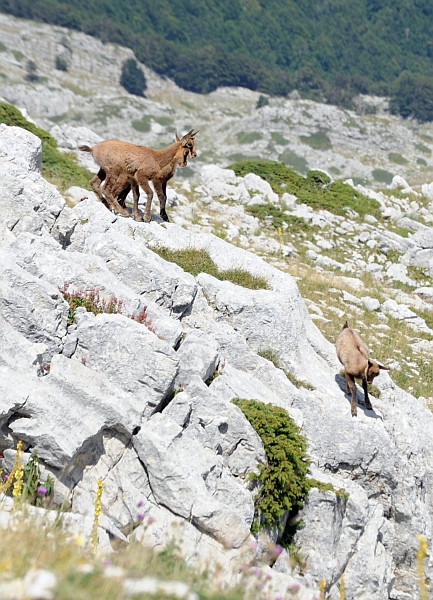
[
  {"x": 60, "y": 169},
  {"x": 423, "y": 149},
  {"x": 316, "y": 189},
  {"x": 248, "y": 137},
  {"x": 298, "y": 382},
  {"x": 263, "y": 211},
  {"x": 421, "y": 162},
  {"x": 328, "y": 487},
  {"x": 284, "y": 482},
  {"x": 197, "y": 261},
  {"x": 397, "y": 158},
  {"x": 382, "y": 176},
  {"x": 318, "y": 140},
  {"x": 278, "y": 138}
]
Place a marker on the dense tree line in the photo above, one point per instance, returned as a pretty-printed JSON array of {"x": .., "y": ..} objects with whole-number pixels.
[{"x": 327, "y": 49}]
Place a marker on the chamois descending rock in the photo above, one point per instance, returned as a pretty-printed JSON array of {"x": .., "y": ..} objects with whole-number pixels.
[{"x": 106, "y": 397}]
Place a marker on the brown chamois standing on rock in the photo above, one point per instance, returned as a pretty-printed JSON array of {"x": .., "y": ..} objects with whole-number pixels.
[
  {"x": 126, "y": 166},
  {"x": 353, "y": 354}
]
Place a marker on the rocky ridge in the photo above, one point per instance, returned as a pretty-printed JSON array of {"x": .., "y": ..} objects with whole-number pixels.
[{"x": 188, "y": 454}]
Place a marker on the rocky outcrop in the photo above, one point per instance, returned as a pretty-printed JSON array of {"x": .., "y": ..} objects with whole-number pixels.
[{"x": 145, "y": 405}]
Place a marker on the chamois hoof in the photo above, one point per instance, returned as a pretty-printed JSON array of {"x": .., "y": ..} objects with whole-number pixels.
[
  {"x": 138, "y": 218},
  {"x": 147, "y": 219}
]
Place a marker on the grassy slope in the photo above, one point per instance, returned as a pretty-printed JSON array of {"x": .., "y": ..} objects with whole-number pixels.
[
  {"x": 268, "y": 45},
  {"x": 60, "y": 169}
]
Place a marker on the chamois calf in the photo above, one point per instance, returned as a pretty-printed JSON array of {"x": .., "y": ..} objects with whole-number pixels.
[
  {"x": 124, "y": 166},
  {"x": 353, "y": 354}
]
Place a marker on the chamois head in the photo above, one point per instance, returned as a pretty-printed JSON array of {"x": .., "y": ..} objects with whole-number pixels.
[
  {"x": 373, "y": 369},
  {"x": 186, "y": 147}
]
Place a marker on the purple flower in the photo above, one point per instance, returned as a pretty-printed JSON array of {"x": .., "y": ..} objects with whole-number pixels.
[
  {"x": 277, "y": 550},
  {"x": 42, "y": 490},
  {"x": 294, "y": 587},
  {"x": 140, "y": 516},
  {"x": 150, "y": 520},
  {"x": 140, "y": 503}
]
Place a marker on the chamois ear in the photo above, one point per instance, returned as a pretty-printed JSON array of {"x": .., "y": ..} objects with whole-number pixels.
[
  {"x": 195, "y": 133},
  {"x": 177, "y": 137},
  {"x": 383, "y": 367}
]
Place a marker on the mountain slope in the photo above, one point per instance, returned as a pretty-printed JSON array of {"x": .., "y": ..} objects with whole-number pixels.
[{"x": 273, "y": 45}]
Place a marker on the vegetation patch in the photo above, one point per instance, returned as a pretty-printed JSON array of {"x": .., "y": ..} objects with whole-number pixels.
[
  {"x": 284, "y": 482},
  {"x": 397, "y": 158},
  {"x": 278, "y": 138},
  {"x": 132, "y": 78},
  {"x": 318, "y": 140},
  {"x": 424, "y": 149},
  {"x": 60, "y": 169},
  {"x": 248, "y": 137},
  {"x": 276, "y": 218},
  {"x": 291, "y": 159},
  {"x": 197, "y": 261},
  {"x": 316, "y": 189},
  {"x": 143, "y": 124},
  {"x": 382, "y": 175},
  {"x": 92, "y": 302},
  {"x": 299, "y": 383}
]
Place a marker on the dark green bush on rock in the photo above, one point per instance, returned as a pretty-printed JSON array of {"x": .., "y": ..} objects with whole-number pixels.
[
  {"x": 132, "y": 78},
  {"x": 284, "y": 483}
]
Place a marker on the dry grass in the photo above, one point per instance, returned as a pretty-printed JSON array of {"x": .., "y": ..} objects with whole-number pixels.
[{"x": 27, "y": 544}]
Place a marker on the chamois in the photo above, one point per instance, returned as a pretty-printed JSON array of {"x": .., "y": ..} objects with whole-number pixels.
[
  {"x": 124, "y": 166},
  {"x": 353, "y": 354}
]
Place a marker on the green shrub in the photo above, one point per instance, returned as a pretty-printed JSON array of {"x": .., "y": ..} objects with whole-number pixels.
[
  {"x": 315, "y": 189},
  {"x": 31, "y": 71},
  {"x": 397, "y": 158},
  {"x": 196, "y": 261},
  {"x": 61, "y": 63},
  {"x": 382, "y": 175},
  {"x": 284, "y": 482},
  {"x": 132, "y": 78},
  {"x": 60, "y": 169},
  {"x": 262, "y": 101}
]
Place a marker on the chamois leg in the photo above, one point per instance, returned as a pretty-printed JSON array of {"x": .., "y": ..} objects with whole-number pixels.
[
  {"x": 112, "y": 202},
  {"x": 350, "y": 385},
  {"x": 95, "y": 184},
  {"x": 136, "y": 194},
  {"x": 122, "y": 196},
  {"x": 368, "y": 405},
  {"x": 142, "y": 180},
  {"x": 161, "y": 189}
]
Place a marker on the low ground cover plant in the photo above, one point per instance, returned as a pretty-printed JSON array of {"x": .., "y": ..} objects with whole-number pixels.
[{"x": 92, "y": 302}]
